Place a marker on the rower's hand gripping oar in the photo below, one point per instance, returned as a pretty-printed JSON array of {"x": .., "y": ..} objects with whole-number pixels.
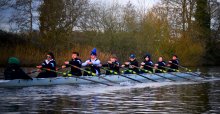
[
  {"x": 93, "y": 74},
  {"x": 31, "y": 72},
  {"x": 76, "y": 76},
  {"x": 111, "y": 71},
  {"x": 126, "y": 76}
]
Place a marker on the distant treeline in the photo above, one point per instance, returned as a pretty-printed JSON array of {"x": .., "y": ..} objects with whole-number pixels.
[{"x": 183, "y": 28}]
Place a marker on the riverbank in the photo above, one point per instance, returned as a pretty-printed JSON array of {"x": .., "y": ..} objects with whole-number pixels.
[{"x": 30, "y": 56}]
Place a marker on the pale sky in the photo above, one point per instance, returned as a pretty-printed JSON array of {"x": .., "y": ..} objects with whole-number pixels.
[{"x": 146, "y": 4}]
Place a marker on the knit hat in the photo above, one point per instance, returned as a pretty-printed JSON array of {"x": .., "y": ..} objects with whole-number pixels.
[
  {"x": 13, "y": 60},
  {"x": 93, "y": 52}
]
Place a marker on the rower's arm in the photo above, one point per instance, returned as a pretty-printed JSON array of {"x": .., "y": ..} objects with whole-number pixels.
[
  {"x": 97, "y": 62},
  {"x": 85, "y": 63}
]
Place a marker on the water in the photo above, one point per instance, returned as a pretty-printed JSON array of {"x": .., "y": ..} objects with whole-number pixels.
[{"x": 164, "y": 97}]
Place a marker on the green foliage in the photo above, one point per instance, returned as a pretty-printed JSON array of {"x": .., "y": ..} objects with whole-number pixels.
[
  {"x": 203, "y": 19},
  {"x": 51, "y": 19}
]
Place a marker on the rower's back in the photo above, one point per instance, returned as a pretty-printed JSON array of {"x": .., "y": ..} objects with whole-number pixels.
[{"x": 13, "y": 70}]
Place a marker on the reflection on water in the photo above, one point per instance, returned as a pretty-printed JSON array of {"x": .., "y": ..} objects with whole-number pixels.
[{"x": 162, "y": 97}]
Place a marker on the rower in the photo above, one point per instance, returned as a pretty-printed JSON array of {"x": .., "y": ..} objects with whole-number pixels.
[
  {"x": 147, "y": 64},
  {"x": 132, "y": 65},
  {"x": 173, "y": 64},
  {"x": 113, "y": 65},
  {"x": 160, "y": 65},
  {"x": 75, "y": 61},
  {"x": 93, "y": 64},
  {"x": 49, "y": 64},
  {"x": 13, "y": 70}
]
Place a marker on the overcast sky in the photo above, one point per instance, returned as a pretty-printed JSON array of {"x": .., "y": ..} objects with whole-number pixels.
[{"x": 138, "y": 3}]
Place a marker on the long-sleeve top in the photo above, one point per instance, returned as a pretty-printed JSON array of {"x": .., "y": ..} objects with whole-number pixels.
[
  {"x": 112, "y": 66},
  {"x": 48, "y": 64},
  {"x": 161, "y": 65},
  {"x": 94, "y": 67},
  {"x": 133, "y": 63},
  {"x": 14, "y": 71},
  {"x": 75, "y": 62},
  {"x": 94, "y": 62},
  {"x": 174, "y": 64},
  {"x": 148, "y": 65}
]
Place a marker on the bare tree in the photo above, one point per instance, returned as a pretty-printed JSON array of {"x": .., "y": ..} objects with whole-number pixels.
[{"x": 24, "y": 15}]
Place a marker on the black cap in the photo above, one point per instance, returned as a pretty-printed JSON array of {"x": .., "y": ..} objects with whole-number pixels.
[{"x": 147, "y": 56}]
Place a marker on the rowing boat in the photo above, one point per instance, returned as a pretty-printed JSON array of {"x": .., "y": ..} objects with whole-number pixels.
[{"x": 115, "y": 78}]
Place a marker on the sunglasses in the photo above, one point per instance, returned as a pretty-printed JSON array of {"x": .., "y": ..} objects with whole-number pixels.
[{"x": 48, "y": 56}]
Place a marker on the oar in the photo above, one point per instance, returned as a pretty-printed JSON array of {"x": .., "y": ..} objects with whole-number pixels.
[
  {"x": 171, "y": 73},
  {"x": 184, "y": 72},
  {"x": 37, "y": 70},
  {"x": 180, "y": 76},
  {"x": 195, "y": 74},
  {"x": 125, "y": 76},
  {"x": 31, "y": 72},
  {"x": 80, "y": 77},
  {"x": 133, "y": 72},
  {"x": 111, "y": 71},
  {"x": 147, "y": 71},
  {"x": 92, "y": 73},
  {"x": 183, "y": 68}
]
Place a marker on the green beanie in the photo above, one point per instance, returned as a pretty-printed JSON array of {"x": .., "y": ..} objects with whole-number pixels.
[{"x": 13, "y": 60}]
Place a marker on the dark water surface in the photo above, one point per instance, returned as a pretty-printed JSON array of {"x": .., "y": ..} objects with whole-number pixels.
[{"x": 163, "y": 97}]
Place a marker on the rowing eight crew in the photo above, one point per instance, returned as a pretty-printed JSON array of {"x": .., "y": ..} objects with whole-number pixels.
[
  {"x": 94, "y": 65},
  {"x": 112, "y": 66}
]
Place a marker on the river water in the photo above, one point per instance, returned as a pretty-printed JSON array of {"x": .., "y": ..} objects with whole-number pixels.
[{"x": 163, "y": 97}]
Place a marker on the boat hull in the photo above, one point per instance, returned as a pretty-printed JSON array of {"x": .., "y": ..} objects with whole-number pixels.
[{"x": 114, "y": 78}]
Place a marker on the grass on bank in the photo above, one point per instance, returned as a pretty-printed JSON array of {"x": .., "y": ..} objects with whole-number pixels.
[{"x": 32, "y": 56}]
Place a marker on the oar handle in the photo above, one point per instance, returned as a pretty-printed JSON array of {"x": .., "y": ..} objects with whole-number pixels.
[
  {"x": 182, "y": 67},
  {"x": 77, "y": 77},
  {"x": 63, "y": 73},
  {"x": 82, "y": 69},
  {"x": 131, "y": 71},
  {"x": 147, "y": 71},
  {"x": 111, "y": 71},
  {"x": 156, "y": 69},
  {"x": 170, "y": 69},
  {"x": 31, "y": 72},
  {"x": 91, "y": 73}
]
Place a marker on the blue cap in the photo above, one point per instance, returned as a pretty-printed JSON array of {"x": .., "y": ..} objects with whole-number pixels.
[
  {"x": 132, "y": 56},
  {"x": 93, "y": 52}
]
